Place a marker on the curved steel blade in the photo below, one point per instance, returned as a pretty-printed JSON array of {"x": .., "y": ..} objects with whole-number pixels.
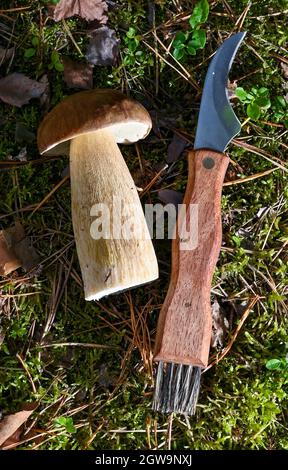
[{"x": 217, "y": 122}]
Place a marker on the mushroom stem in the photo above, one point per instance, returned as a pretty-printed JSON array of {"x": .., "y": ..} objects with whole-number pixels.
[{"x": 104, "y": 196}]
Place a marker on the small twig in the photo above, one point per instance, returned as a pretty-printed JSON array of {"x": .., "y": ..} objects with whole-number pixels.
[
  {"x": 279, "y": 57},
  {"x": 169, "y": 431},
  {"x": 91, "y": 439},
  {"x": 250, "y": 178},
  {"x": 139, "y": 156},
  {"x": 277, "y": 13},
  {"x": 11, "y": 165},
  {"x": 229, "y": 10},
  {"x": 195, "y": 84},
  {"x": 269, "y": 231},
  {"x": 242, "y": 17},
  {"x": 80, "y": 345},
  {"x": 72, "y": 38},
  {"x": 27, "y": 372},
  {"x": 168, "y": 63},
  {"x": 11, "y": 10},
  {"x": 8, "y": 296},
  {"x": 155, "y": 178},
  {"x": 256, "y": 53},
  {"x": 58, "y": 253},
  {"x": 260, "y": 152},
  {"x": 58, "y": 185}
]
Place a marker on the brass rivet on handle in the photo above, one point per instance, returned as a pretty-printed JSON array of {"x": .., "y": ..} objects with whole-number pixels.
[{"x": 208, "y": 163}]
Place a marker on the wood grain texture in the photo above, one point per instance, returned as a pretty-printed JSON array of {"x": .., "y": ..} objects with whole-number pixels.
[
  {"x": 99, "y": 175},
  {"x": 185, "y": 324}
]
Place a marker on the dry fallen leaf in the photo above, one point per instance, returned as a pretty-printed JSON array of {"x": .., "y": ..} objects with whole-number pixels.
[
  {"x": 175, "y": 148},
  {"x": 103, "y": 48},
  {"x": 170, "y": 196},
  {"x": 8, "y": 259},
  {"x": 45, "y": 97},
  {"x": 220, "y": 326},
  {"x": 17, "y": 89},
  {"x": 2, "y": 336},
  {"x": 10, "y": 424},
  {"x": 77, "y": 75},
  {"x": 231, "y": 87},
  {"x": 87, "y": 9},
  {"x": 16, "y": 250},
  {"x": 284, "y": 70}
]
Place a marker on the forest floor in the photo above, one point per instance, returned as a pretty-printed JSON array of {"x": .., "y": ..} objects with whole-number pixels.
[{"x": 90, "y": 397}]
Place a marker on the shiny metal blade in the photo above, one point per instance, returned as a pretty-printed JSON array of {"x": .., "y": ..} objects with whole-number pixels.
[{"x": 217, "y": 122}]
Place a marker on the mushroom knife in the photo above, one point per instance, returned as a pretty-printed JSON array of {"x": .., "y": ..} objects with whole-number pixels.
[{"x": 185, "y": 324}]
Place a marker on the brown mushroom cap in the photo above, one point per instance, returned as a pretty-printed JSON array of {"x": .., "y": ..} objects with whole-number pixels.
[{"x": 87, "y": 111}]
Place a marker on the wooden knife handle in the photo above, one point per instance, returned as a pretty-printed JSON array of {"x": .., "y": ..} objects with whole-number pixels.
[{"x": 185, "y": 324}]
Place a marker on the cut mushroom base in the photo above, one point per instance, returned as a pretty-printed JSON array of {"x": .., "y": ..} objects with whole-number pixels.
[{"x": 88, "y": 126}]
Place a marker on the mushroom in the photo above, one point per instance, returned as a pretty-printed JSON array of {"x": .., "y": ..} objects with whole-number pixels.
[{"x": 87, "y": 126}]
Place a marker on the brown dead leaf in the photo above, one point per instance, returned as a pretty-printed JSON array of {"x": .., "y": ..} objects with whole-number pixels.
[
  {"x": 231, "y": 174},
  {"x": 220, "y": 326},
  {"x": 45, "y": 97},
  {"x": 50, "y": 8},
  {"x": 77, "y": 75},
  {"x": 14, "y": 439},
  {"x": 285, "y": 70},
  {"x": 170, "y": 196},
  {"x": 103, "y": 48},
  {"x": 231, "y": 87},
  {"x": 175, "y": 148},
  {"x": 17, "y": 89},
  {"x": 9, "y": 262},
  {"x": 11, "y": 423},
  {"x": 16, "y": 250},
  {"x": 2, "y": 336},
  {"x": 87, "y": 9}
]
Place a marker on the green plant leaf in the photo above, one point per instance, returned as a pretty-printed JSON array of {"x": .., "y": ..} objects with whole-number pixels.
[
  {"x": 198, "y": 40},
  {"x": 199, "y": 13},
  {"x": 70, "y": 426},
  {"x": 274, "y": 364},
  {"x": 241, "y": 94},
  {"x": 263, "y": 102},
  {"x": 279, "y": 100},
  {"x": 35, "y": 41},
  {"x": 180, "y": 39},
  {"x": 131, "y": 32},
  {"x": 191, "y": 48},
  {"x": 179, "y": 53},
  {"x": 54, "y": 57},
  {"x": 67, "y": 423},
  {"x": 133, "y": 44},
  {"x": 59, "y": 67},
  {"x": 29, "y": 53},
  {"x": 253, "y": 111},
  {"x": 262, "y": 91},
  {"x": 181, "y": 46}
]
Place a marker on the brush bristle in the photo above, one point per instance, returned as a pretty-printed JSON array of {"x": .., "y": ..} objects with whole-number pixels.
[{"x": 177, "y": 388}]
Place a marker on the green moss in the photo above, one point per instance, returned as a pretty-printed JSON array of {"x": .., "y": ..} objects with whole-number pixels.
[{"x": 242, "y": 403}]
